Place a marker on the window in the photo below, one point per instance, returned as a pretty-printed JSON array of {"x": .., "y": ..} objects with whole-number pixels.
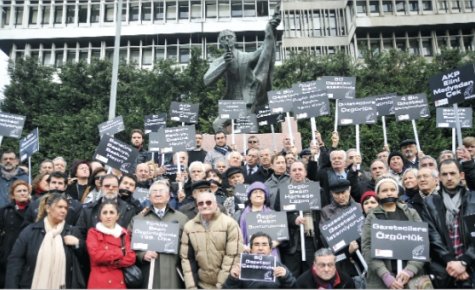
[
  {"x": 147, "y": 56},
  {"x": 147, "y": 11},
  {"x": 195, "y": 9},
  {"x": 18, "y": 15},
  {"x": 171, "y": 52},
  {"x": 456, "y": 6},
  {"x": 95, "y": 13},
  {"x": 427, "y": 47},
  {"x": 33, "y": 17},
  {"x": 224, "y": 9},
  {"x": 45, "y": 9},
  {"x": 443, "y": 6},
  {"x": 83, "y": 54},
  {"x": 236, "y": 8},
  {"x": 134, "y": 12},
  {"x": 413, "y": 6},
  {"x": 171, "y": 10},
  {"x": 400, "y": 6},
  {"x": 58, "y": 58},
  {"x": 184, "y": 55},
  {"x": 332, "y": 22},
  {"x": 135, "y": 56},
  {"x": 316, "y": 22},
  {"x": 211, "y": 9},
  {"x": 71, "y": 55},
  {"x": 47, "y": 57},
  {"x": 183, "y": 10},
  {"x": 249, "y": 8},
  {"x": 109, "y": 13},
  {"x": 58, "y": 14},
  {"x": 95, "y": 53},
  {"x": 82, "y": 14},
  {"x": 262, "y": 8},
  {"x": 387, "y": 6},
  {"x": 374, "y": 6},
  {"x": 159, "y": 53},
  {"x": 469, "y": 5},
  {"x": 361, "y": 7},
  {"x": 159, "y": 11},
  {"x": 427, "y": 5},
  {"x": 414, "y": 46}
]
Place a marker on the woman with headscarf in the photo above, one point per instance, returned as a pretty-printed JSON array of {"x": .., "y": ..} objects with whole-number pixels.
[
  {"x": 383, "y": 273},
  {"x": 44, "y": 255},
  {"x": 12, "y": 217}
]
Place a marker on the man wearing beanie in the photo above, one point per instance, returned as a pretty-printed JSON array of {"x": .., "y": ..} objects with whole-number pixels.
[{"x": 396, "y": 163}]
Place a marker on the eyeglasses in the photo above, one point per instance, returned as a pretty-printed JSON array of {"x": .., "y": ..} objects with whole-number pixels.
[
  {"x": 252, "y": 141},
  {"x": 260, "y": 244},
  {"x": 109, "y": 186},
  {"x": 202, "y": 203},
  {"x": 323, "y": 265}
]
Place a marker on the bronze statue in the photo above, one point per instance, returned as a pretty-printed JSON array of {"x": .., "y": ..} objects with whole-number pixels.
[{"x": 247, "y": 74}]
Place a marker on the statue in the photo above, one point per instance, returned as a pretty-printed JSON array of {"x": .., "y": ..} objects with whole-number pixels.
[{"x": 247, "y": 74}]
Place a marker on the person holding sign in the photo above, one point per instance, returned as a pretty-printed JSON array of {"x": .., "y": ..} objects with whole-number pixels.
[
  {"x": 210, "y": 245},
  {"x": 108, "y": 246},
  {"x": 261, "y": 244},
  {"x": 451, "y": 247},
  {"x": 324, "y": 273},
  {"x": 383, "y": 273},
  {"x": 165, "y": 275}
]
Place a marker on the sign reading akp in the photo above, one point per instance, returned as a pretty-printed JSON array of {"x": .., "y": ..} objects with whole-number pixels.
[
  {"x": 183, "y": 112},
  {"x": 257, "y": 267},
  {"x": 116, "y": 154},
  {"x": 357, "y": 111},
  {"x": 340, "y": 87},
  {"x": 111, "y": 127},
  {"x": 400, "y": 240},
  {"x": 454, "y": 86},
  {"x": 445, "y": 117},
  {"x": 11, "y": 125},
  {"x": 301, "y": 196},
  {"x": 29, "y": 145},
  {"x": 272, "y": 223},
  {"x": 411, "y": 107},
  {"x": 342, "y": 230},
  {"x": 155, "y": 236},
  {"x": 152, "y": 123}
]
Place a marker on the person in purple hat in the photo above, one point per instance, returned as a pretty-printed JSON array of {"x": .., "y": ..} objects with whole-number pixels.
[{"x": 257, "y": 201}]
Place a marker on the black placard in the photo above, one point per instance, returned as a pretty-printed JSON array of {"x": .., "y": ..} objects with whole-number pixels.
[
  {"x": 357, "y": 111},
  {"x": 384, "y": 104},
  {"x": 141, "y": 194},
  {"x": 116, "y": 154},
  {"x": 246, "y": 124},
  {"x": 301, "y": 196},
  {"x": 340, "y": 87},
  {"x": 183, "y": 112},
  {"x": 154, "y": 142},
  {"x": 281, "y": 101},
  {"x": 162, "y": 237},
  {"x": 400, "y": 240},
  {"x": 266, "y": 117},
  {"x": 343, "y": 229},
  {"x": 152, "y": 123},
  {"x": 311, "y": 86},
  {"x": 310, "y": 102},
  {"x": 257, "y": 268},
  {"x": 454, "y": 86},
  {"x": 231, "y": 109},
  {"x": 470, "y": 225},
  {"x": 112, "y": 127},
  {"x": 272, "y": 223},
  {"x": 29, "y": 145},
  {"x": 240, "y": 192},
  {"x": 172, "y": 169},
  {"x": 11, "y": 125},
  {"x": 411, "y": 107},
  {"x": 445, "y": 117},
  {"x": 176, "y": 139}
]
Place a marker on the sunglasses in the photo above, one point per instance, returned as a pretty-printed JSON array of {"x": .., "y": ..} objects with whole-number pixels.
[{"x": 202, "y": 203}]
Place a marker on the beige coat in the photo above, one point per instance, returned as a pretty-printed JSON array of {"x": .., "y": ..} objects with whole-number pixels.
[{"x": 209, "y": 253}]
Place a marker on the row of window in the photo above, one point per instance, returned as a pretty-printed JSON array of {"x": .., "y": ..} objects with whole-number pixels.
[
  {"x": 315, "y": 23},
  {"x": 133, "y": 11},
  {"x": 412, "y": 6}
]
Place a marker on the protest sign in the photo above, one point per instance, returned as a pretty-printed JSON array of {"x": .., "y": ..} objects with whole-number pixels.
[
  {"x": 400, "y": 240},
  {"x": 384, "y": 104},
  {"x": 272, "y": 223},
  {"x": 176, "y": 139},
  {"x": 411, "y": 107},
  {"x": 257, "y": 267},
  {"x": 141, "y": 194},
  {"x": 231, "y": 109},
  {"x": 454, "y": 86},
  {"x": 111, "y": 127},
  {"x": 311, "y": 103},
  {"x": 357, "y": 111},
  {"x": 470, "y": 225},
  {"x": 340, "y": 87},
  {"x": 445, "y": 117},
  {"x": 154, "y": 141},
  {"x": 266, "y": 117},
  {"x": 246, "y": 124},
  {"x": 343, "y": 229},
  {"x": 11, "y": 125},
  {"x": 240, "y": 192},
  {"x": 152, "y": 123},
  {"x": 172, "y": 169},
  {"x": 281, "y": 101},
  {"x": 162, "y": 237},
  {"x": 183, "y": 112},
  {"x": 116, "y": 154},
  {"x": 29, "y": 145},
  {"x": 301, "y": 196}
]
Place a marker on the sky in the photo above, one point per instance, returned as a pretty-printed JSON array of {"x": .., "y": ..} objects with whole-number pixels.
[{"x": 4, "y": 78}]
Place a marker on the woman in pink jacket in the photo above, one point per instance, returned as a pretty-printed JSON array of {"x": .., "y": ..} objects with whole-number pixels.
[{"x": 104, "y": 245}]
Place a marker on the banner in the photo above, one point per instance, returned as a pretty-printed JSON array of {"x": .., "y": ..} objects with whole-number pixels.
[
  {"x": 116, "y": 154},
  {"x": 340, "y": 87},
  {"x": 445, "y": 117},
  {"x": 183, "y": 112},
  {"x": 400, "y": 240},
  {"x": 112, "y": 127},
  {"x": 231, "y": 109},
  {"x": 176, "y": 139},
  {"x": 257, "y": 267},
  {"x": 357, "y": 111},
  {"x": 282, "y": 101},
  {"x": 454, "y": 86},
  {"x": 11, "y": 125},
  {"x": 272, "y": 223},
  {"x": 302, "y": 196},
  {"x": 152, "y": 123},
  {"x": 411, "y": 107},
  {"x": 343, "y": 229},
  {"x": 29, "y": 145},
  {"x": 162, "y": 237}
]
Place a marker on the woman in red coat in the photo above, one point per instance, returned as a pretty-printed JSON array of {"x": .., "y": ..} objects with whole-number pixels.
[{"x": 104, "y": 245}]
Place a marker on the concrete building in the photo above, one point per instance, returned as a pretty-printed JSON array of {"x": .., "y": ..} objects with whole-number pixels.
[{"x": 59, "y": 31}]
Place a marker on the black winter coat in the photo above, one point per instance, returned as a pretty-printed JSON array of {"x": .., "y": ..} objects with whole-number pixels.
[
  {"x": 307, "y": 281},
  {"x": 286, "y": 282},
  {"x": 22, "y": 260}
]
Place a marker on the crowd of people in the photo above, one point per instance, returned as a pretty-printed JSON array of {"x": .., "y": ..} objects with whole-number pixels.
[{"x": 72, "y": 226}]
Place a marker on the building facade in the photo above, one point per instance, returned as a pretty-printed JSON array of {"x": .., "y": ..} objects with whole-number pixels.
[{"x": 59, "y": 31}]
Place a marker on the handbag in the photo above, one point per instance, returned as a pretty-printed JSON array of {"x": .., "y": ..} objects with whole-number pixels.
[{"x": 132, "y": 275}]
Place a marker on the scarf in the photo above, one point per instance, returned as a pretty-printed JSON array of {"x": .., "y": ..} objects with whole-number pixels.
[
  {"x": 326, "y": 284},
  {"x": 223, "y": 150},
  {"x": 115, "y": 232},
  {"x": 8, "y": 175},
  {"x": 21, "y": 206},
  {"x": 452, "y": 204},
  {"x": 50, "y": 268}
]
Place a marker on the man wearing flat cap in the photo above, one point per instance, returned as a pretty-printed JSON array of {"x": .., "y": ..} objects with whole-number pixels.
[
  {"x": 409, "y": 150},
  {"x": 190, "y": 209}
]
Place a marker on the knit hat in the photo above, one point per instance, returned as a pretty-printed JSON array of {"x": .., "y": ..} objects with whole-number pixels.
[
  {"x": 386, "y": 179},
  {"x": 368, "y": 194},
  {"x": 396, "y": 153},
  {"x": 257, "y": 185}
]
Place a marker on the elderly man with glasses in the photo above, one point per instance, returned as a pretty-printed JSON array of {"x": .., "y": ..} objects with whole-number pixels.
[{"x": 210, "y": 245}]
